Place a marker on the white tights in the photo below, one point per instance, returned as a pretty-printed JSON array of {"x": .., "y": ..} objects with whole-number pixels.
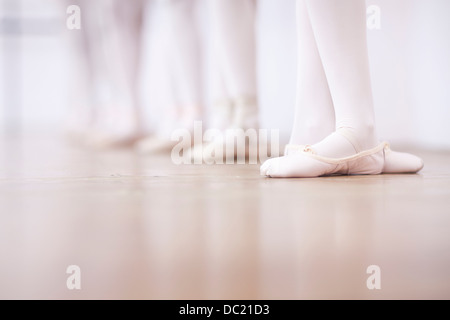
[
  {"x": 234, "y": 92},
  {"x": 234, "y": 52},
  {"x": 107, "y": 64},
  {"x": 183, "y": 57},
  {"x": 334, "y": 112}
]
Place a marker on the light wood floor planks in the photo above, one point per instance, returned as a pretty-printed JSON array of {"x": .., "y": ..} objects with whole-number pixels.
[{"x": 141, "y": 227}]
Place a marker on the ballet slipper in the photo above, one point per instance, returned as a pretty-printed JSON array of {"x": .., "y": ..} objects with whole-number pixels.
[
  {"x": 154, "y": 145},
  {"x": 305, "y": 163},
  {"x": 291, "y": 149},
  {"x": 76, "y": 137},
  {"x": 394, "y": 161},
  {"x": 195, "y": 153},
  {"x": 245, "y": 114},
  {"x": 223, "y": 114},
  {"x": 221, "y": 149},
  {"x": 97, "y": 139},
  {"x": 301, "y": 161},
  {"x": 401, "y": 162},
  {"x": 78, "y": 132}
]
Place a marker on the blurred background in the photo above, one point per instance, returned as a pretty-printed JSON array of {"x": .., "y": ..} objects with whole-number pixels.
[
  {"x": 145, "y": 227},
  {"x": 409, "y": 57}
]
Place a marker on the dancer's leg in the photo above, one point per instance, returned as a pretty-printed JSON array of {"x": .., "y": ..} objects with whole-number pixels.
[
  {"x": 234, "y": 44},
  {"x": 117, "y": 52},
  {"x": 185, "y": 57},
  {"x": 314, "y": 112},
  {"x": 339, "y": 31},
  {"x": 234, "y": 48},
  {"x": 340, "y": 35},
  {"x": 129, "y": 21},
  {"x": 222, "y": 103},
  {"x": 182, "y": 62},
  {"x": 80, "y": 114}
]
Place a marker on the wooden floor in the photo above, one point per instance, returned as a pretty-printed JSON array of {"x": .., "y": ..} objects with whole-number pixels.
[{"x": 141, "y": 227}]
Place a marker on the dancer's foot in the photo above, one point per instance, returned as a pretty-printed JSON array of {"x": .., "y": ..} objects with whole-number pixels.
[
  {"x": 108, "y": 140},
  {"x": 154, "y": 144},
  {"x": 225, "y": 146},
  {"x": 316, "y": 160},
  {"x": 307, "y": 164},
  {"x": 114, "y": 127},
  {"x": 401, "y": 162},
  {"x": 233, "y": 142}
]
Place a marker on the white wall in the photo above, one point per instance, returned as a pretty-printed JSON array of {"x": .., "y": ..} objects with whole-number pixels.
[
  {"x": 42, "y": 73},
  {"x": 411, "y": 71},
  {"x": 409, "y": 57},
  {"x": 410, "y": 67}
]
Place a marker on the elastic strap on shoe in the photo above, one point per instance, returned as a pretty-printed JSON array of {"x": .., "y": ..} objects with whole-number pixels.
[{"x": 307, "y": 150}]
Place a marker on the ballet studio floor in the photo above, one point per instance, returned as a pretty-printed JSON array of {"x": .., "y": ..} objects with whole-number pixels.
[{"x": 139, "y": 227}]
